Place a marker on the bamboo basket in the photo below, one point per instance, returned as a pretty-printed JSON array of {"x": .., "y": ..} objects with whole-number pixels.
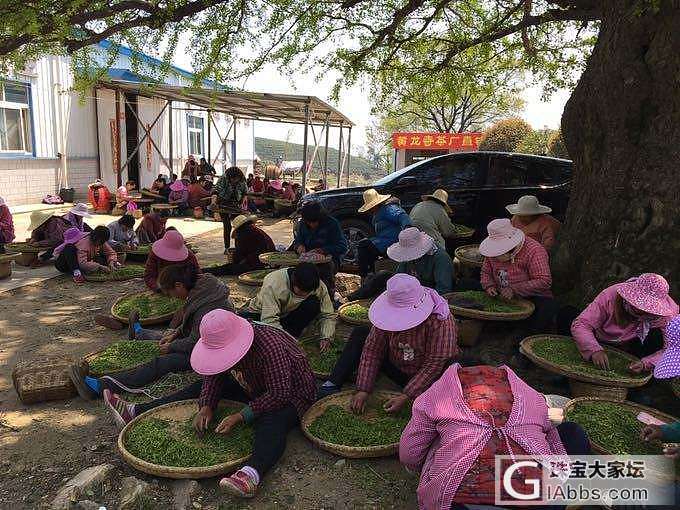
[
  {"x": 527, "y": 308},
  {"x": 43, "y": 379},
  {"x": 463, "y": 232},
  {"x": 94, "y": 354},
  {"x": 149, "y": 321},
  {"x": 27, "y": 254},
  {"x": 108, "y": 277},
  {"x": 584, "y": 385},
  {"x": 294, "y": 259},
  {"x": 349, "y": 320},
  {"x": 313, "y": 340},
  {"x": 175, "y": 411},
  {"x": 469, "y": 255},
  {"x": 351, "y": 452},
  {"x": 251, "y": 279},
  {"x": 6, "y": 260}
]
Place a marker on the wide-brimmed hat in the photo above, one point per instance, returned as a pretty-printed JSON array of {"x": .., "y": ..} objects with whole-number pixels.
[
  {"x": 502, "y": 238},
  {"x": 528, "y": 205},
  {"x": 225, "y": 339},
  {"x": 38, "y": 218},
  {"x": 404, "y": 305},
  {"x": 412, "y": 245},
  {"x": 171, "y": 247},
  {"x": 669, "y": 364},
  {"x": 178, "y": 185},
  {"x": 276, "y": 184},
  {"x": 441, "y": 196},
  {"x": 649, "y": 293},
  {"x": 80, "y": 209},
  {"x": 241, "y": 220},
  {"x": 73, "y": 235},
  {"x": 371, "y": 199}
]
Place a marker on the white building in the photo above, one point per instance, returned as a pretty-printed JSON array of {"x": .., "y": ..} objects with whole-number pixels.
[{"x": 52, "y": 137}]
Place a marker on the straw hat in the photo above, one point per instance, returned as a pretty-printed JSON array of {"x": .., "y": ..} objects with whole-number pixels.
[
  {"x": 440, "y": 196},
  {"x": 412, "y": 245},
  {"x": 225, "y": 339},
  {"x": 171, "y": 247},
  {"x": 649, "y": 293},
  {"x": 80, "y": 209},
  {"x": 502, "y": 238},
  {"x": 371, "y": 199},
  {"x": 528, "y": 205},
  {"x": 669, "y": 364},
  {"x": 38, "y": 218},
  {"x": 241, "y": 220},
  {"x": 404, "y": 305}
]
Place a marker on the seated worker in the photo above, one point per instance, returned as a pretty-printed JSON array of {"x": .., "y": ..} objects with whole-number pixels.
[
  {"x": 85, "y": 252},
  {"x": 250, "y": 242},
  {"x": 630, "y": 315},
  {"x": 432, "y": 217},
  {"x": 75, "y": 217},
  {"x": 516, "y": 265},
  {"x": 6, "y": 225},
  {"x": 317, "y": 232},
  {"x": 279, "y": 382},
  {"x": 190, "y": 168},
  {"x": 123, "y": 200},
  {"x": 535, "y": 221},
  {"x": 258, "y": 184},
  {"x": 158, "y": 183},
  {"x": 291, "y": 299},
  {"x": 205, "y": 168},
  {"x": 202, "y": 294},
  {"x": 167, "y": 251},
  {"x": 412, "y": 340},
  {"x": 467, "y": 417},
  {"x": 179, "y": 195},
  {"x": 152, "y": 227},
  {"x": 388, "y": 220},
  {"x": 123, "y": 233},
  {"x": 197, "y": 194}
]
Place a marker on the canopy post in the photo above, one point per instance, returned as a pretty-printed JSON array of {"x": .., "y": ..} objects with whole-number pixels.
[
  {"x": 304, "y": 150},
  {"x": 339, "y": 171},
  {"x": 170, "y": 144},
  {"x": 325, "y": 151},
  {"x": 349, "y": 152},
  {"x": 233, "y": 145},
  {"x": 119, "y": 178},
  {"x": 209, "y": 137}
]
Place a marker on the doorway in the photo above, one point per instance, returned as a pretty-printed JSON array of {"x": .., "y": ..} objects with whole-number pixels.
[{"x": 132, "y": 138}]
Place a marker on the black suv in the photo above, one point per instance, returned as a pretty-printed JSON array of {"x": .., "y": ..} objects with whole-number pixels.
[{"x": 479, "y": 184}]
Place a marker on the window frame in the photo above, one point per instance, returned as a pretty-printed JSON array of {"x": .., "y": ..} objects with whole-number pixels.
[
  {"x": 25, "y": 114},
  {"x": 194, "y": 130}
]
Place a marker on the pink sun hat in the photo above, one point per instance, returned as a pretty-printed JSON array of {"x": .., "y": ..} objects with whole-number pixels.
[
  {"x": 502, "y": 238},
  {"x": 669, "y": 364},
  {"x": 178, "y": 185},
  {"x": 171, "y": 247},
  {"x": 649, "y": 293},
  {"x": 276, "y": 184},
  {"x": 405, "y": 304},
  {"x": 225, "y": 339},
  {"x": 71, "y": 236},
  {"x": 412, "y": 245}
]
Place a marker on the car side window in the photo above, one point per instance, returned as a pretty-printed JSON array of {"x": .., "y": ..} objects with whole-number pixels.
[
  {"x": 508, "y": 171},
  {"x": 454, "y": 173},
  {"x": 543, "y": 172}
]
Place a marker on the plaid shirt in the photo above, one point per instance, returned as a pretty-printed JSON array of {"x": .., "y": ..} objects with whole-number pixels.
[
  {"x": 421, "y": 352},
  {"x": 275, "y": 371},
  {"x": 528, "y": 275}
]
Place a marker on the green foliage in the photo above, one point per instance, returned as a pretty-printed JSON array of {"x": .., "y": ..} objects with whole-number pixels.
[
  {"x": 536, "y": 142},
  {"x": 505, "y": 135},
  {"x": 122, "y": 355},
  {"x": 556, "y": 145},
  {"x": 480, "y": 300},
  {"x": 148, "y": 304}
]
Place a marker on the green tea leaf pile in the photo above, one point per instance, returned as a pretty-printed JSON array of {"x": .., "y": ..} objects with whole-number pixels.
[
  {"x": 176, "y": 444},
  {"x": 564, "y": 353},
  {"x": 479, "y": 300},
  {"x": 339, "y": 426},
  {"x": 166, "y": 385},
  {"x": 323, "y": 363},
  {"x": 22, "y": 248},
  {"x": 122, "y": 355},
  {"x": 149, "y": 304},
  {"x": 284, "y": 258},
  {"x": 256, "y": 276},
  {"x": 356, "y": 311},
  {"x": 124, "y": 273},
  {"x": 142, "y": 249}
]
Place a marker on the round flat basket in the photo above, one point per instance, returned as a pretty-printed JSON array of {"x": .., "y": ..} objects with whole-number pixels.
[
  {"x": 344, "y": 309},
  {"x": 254, "y": 278},
  {"x": 146, "y": 321},
  {"x": 463, "y": 232},
  {"x": 342, "y": 399},
  {"x": 22, "y": 248},
  {"x": 525, "y": 309},
  {"x": 527, "y": 346},
  {"x": 310, "y": 346},
  {"x": 128, "y": 273},
  {"x": 469, "y": 255},
  {"x": 178, "y": 412},
  {"x": 151, "y": 194},
  {"x": 90, "y": 357},
  {"x": 287, "y": 259}
]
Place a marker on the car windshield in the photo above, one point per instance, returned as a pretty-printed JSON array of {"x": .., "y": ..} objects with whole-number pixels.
[{"x": 394, "y": 175}]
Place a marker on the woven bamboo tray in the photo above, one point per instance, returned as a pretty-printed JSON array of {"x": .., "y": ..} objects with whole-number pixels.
[
  {"x": 149, "y": 321},
  {"x": 469, "y": 255},
  {"x": 94, "y": 354},
  {"x": 351, "y": 452},
  {"x": 526, "y": 311},
  {"x": 252, "y": 278},
  {"x": 584, "y": 385},
  {"x": 289, "y": 259},
  {"x": 637, "y": 408},
  {"x": 175, "y": 411},
  {"x": 28, "y": 253},
  {"x": 151, "y": 194},
  {"x": 43, "y": 379},
  {"x": 111, "y": 277},
  {"x": 463, "y": 232},
  {"x": 6, "y": 260},
  {"x": 349, "y": 320}
]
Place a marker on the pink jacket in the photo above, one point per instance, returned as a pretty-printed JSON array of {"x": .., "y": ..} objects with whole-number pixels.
[
  {"x": 87, "y": 253},
  {"x": 6, "y": 225},
  {"x": 444, "y": 437},
  {"x": 597, "y": 323}
]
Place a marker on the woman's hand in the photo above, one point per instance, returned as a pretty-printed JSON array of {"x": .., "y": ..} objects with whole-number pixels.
[
  {"x": 203, "y": 419},
  {"x": 600, "y": 360},
  {"x": 651, "y": 433},
  {"x": 638, "y": 367},
  {"x": 394, "y": 404},
  {"x": 300, "y": 249},
  {"x": 507, "y": 293},
  {"x": 104, "y": 269},
  {"x": 492, "y": 291},
  {"x": 229, "y": 423},
  {"x": 358, "y": 402}
]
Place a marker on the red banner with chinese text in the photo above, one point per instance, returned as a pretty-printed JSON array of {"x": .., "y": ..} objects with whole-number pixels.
[{"x": 437, "y": 141}]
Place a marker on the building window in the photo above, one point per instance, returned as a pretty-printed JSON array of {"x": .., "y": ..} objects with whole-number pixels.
[
  {"x": 195, "y": 128},
  {"x": 16, "y": 134}
]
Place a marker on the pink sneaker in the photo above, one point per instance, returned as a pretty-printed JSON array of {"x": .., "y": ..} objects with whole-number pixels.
[
  {"x": 121, "y": 412},
  {"x": 239, "y": 484}
]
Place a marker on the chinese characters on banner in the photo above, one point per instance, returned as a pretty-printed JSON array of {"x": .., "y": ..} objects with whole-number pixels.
[
  {"x": 148, "y": 148},
  {"x": 115, "y": 156},
  {"x": 437, "y": 141}
]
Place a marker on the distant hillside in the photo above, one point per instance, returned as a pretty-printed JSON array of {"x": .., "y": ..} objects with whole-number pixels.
[{"x": 269, "y": 150}]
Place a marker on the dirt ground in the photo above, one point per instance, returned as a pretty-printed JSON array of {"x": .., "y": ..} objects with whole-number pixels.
[{"x": 46, "y": 444}]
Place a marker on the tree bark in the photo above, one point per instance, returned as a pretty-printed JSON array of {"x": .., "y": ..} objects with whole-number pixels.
[{"x": 622, "y": 128}]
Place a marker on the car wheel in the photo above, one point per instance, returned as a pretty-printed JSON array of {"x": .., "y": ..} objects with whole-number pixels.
[{"x": 354, "y": 230}]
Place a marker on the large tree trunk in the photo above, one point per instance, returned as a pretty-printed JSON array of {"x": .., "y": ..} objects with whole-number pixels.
[{"x": 622, "y": 129}]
